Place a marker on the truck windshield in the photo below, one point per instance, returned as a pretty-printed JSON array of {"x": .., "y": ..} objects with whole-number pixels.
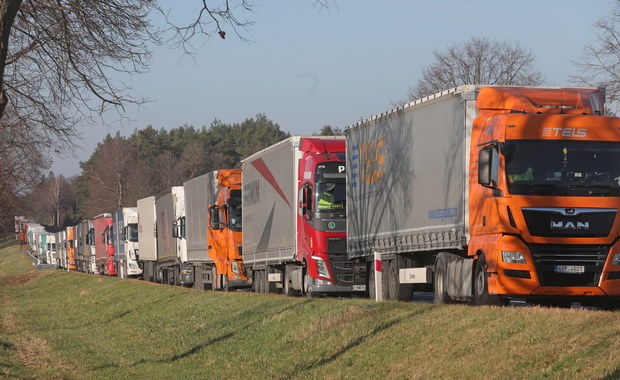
[
  {"x": 132, "y": 231},
  {"x": 563, "y": 168},
  {"x": 330, "y": 196},
  {"x": 234, "y": 210}
]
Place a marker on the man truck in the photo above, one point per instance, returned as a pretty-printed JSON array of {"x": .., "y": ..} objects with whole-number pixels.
[
  {"x": 212, "y": 227},
  {"x": 292, "y": 241},
  {"x": 484, "y": 193}
]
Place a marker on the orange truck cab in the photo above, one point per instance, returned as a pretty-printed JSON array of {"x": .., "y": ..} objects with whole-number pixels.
[
  {"x": 213, "y": 231},
  {"x": 224, "y": 231},
  {"x": 544, "y": 202}
]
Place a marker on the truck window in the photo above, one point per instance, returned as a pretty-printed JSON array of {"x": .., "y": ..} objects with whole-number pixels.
[
  {"x": 330, "y": 196},
  {"x": 563, "y": 168},
  {"x": 234, "y": 210},
  {"x": 132, "y": 232}
]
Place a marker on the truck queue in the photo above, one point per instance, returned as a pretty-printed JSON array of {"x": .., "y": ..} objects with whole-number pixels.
[{"x": 479, "y": 194}]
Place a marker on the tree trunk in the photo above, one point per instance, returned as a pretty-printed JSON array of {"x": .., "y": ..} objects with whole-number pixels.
[{"x": 8, "y": 10}]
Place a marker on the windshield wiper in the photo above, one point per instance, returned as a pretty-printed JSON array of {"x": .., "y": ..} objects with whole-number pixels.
[
  {"x": 544, "y": 188},
  {"x": 594, "y": 189}
]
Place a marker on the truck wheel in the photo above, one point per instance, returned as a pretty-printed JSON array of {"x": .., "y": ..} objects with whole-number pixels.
[
  {"x": 256, "y": 281},
  {"x": 481, "y": 286},
  {"x": 440, "y": 280},
  {"x": 287, "y": 289},
  {"x": 309, "y": 294},
  {"x": 265, "y": 282},
  {"x": 396, "y": 290},
  {"x": 262, "y": 281},
  {"x": 225, "y": 286}
]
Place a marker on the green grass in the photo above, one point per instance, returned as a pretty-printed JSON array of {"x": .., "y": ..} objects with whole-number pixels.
[{"x": 56, "y": 324}]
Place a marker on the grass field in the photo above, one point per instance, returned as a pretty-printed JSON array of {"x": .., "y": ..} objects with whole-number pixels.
[{"x": 61, "y": 325}]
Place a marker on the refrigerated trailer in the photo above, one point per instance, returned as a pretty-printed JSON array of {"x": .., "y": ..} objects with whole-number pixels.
[
  {"x": 484, "y": 193},
  {"x": 292, "y": 242}
]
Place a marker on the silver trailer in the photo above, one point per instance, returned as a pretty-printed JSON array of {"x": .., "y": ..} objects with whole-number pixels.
[
  {"x": 147, "y": 237},
  {"x": 200, "y": 192},
  {"x": 169, "y": 207},
  {"x": 407, "y": 186},
  {"x": 85, "y": 250},
  {"x": 269, "y": 205}
]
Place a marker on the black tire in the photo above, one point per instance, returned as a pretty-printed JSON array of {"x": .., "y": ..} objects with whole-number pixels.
[
  {"x": 224, "y": 283},
  {"x": 287, "y": 289},
  {"x": 306, "y": 279},
  {"x": 481, "y": 286},
  {"x": 440, "y": 280},
  {"x": 396, "y": 290},
  {"x": 264, "y": 286},
  {"x": 256, "y": 281}
]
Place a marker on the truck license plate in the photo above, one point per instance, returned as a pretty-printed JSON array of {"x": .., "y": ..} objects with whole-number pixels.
[
  {"x": 570, "y": 269},
  {"x": 359, "y": 288}
]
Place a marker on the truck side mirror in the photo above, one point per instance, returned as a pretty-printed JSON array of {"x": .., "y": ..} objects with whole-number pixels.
[
  {"x": 214, "y": 218},
  {"x": 306, "y": 200},
  {"x": 488, "y": 167},
  {"x": 175, "y": 229}
]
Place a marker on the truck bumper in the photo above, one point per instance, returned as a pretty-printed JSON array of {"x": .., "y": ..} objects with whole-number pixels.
[
  {"x": 238, "y": 283},
  {"x": 553, "y": 270},
  {"x": 315, "y": 287},
  {"x": 521, "y": 287}
]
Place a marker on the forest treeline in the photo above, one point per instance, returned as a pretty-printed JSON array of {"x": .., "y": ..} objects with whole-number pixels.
[{"x": 122, "y": 170}]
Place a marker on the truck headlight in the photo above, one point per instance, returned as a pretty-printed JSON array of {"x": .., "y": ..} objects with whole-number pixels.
[
  {"x": 234, "y": 266},
  {"x": 321, "y": 267},
  {"x": 616, "y": 260},
  {"x": 513, "y": 257}
]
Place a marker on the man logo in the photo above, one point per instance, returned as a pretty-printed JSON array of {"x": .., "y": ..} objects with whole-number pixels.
[
  {"x": 569, "y": 211},
  {"x": 570, "y": 225}
]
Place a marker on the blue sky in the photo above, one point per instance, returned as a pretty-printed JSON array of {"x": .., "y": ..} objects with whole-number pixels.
[{"x": 306, "y": 68}]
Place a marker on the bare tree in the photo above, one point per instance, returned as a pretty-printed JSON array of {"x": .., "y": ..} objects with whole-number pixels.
[
  {"x": 109, "y": 175},
  {"x": 164, "y": 171},
  {"x": 599, "y": 65},
  {"x": 64, "y": 62},
  {"x": 477, "y": 61},
  {"x": 53, "y": 189},
  {"x": 194, "y": 159}
]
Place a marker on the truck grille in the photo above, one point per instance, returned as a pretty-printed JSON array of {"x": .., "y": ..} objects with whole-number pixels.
[
  {"x": 558, "y": 222},
  {"x": 345, "y": 272},
  {"x": 336, "y": 245},
  {"x": 547, "y": 258}
]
